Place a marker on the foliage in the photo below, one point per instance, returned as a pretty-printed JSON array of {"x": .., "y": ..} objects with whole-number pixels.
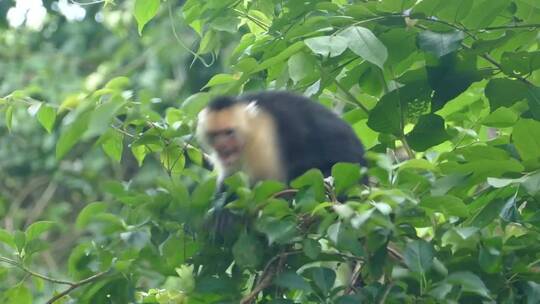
[{"x": 444, "y": 94}]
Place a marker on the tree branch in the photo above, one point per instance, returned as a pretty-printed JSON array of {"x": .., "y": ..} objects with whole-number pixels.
[{"x": 77, "y": 285}]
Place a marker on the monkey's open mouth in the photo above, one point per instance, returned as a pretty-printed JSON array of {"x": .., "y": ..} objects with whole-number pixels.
[{"x": 228, "y": 156}]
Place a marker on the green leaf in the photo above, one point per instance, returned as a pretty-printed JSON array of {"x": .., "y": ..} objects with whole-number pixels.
[
  {"x": 292, "y": 281},
  {"x": 71, "y": 134},
  {"x": 7, "y": 238},
  {"x": 279, "y": 231},
  {"x": 36, "y": 229},
  {"x": 504, "y": 92},
  {"x": 418, "y": 256},
  {"x": 469, "y": 282},
  {"x": 102, "y": 117},
  {"x": 46, "y": 117},
  {"x": 20, "y": 294},
  {"x": 113, "y": 145},
  {"x": 301, "y": 66},
  {"x": 447, "y": 204},
  {"x": 173, "y": 159},
  {"x": 88, "y": 212},
  {"x": 327, "y": 46},
  {"x": 366, "y": 45},
  {"x": 490, "y": 259},
  {"x": 139, "y": 152},
  {"x": 323, "y": 278},
  {"x": 428, "y": 132},
  {"x": 19, "y": 238},
  {"x": 520, "y": 63},
  {"x": 526, "y": 138},
  {"x": 501, "y": 118},
  {"x": 311, "y": 248},
  {"x": 9, "y": 117},
  {"x": 195, "y": 103},
  {"x": 144, "y": 11},
  {"x": 440, "y": 44},
  {"x": 533, "y": 97},
  {"x": 345, "y": 176},
  {"x": 247, "y": 251},
  {"x": 220, "y": 79},
  {"x": 385, "y": 117},
  {"x": 282, "y": 56}
]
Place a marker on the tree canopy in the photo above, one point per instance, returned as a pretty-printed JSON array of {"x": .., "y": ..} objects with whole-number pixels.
[{"x": 104, "y": 194}]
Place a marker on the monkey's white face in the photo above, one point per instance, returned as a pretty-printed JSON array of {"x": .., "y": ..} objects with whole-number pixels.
[{"x": 224, "y": 132}]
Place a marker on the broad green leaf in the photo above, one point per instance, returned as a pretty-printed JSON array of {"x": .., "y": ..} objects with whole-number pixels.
[
  {"x": 345, "y": 175},
  {"x": 385, "y": 117},
  {"x": 19, "y": 294},
  {"x": 247, "y": 251},
  {"x": 311, "y": 248},
  {"x": 144, "y": 11},
  {"x": 447, "y": 204},
  {"x": 532, "y": 183},
  {"x": 71, "y": 134},
  {"x": 470, "y": 282},
  {"x": 327, "y": 46},
  {"x": 501, "y": 118},
  {"x": 526, "y": 138},
  {"x": 301, "y": 66},
  {"x": 102, "y": 117},
  {"x": 485, "y": 12},
  {"x": 323, "y": 278},
  {"x": 366, "y": 45},
  {"x": 312, "y": 179},
  {"x": 292, "y": 281},
  {"x": 428, "y": 132},
  {"x": 490, "y": 259},
  {"x": 280, "y": 231},
  {"x": 19, "y": 238},
  {"x": 418, "y": 256},
  {"x": 118, "y": 83},
  {"x": 533, "y": 96},
  {"x": 88, "y": 212},
  {"x": 195, "y": 103},
  {"x": 440, "y": 44},
  {"x": 46, "y": 117},
  {"x": 520, "y": 63},
  {"x": 36, "y": 229},
  {"x": 504, "y": 92}
]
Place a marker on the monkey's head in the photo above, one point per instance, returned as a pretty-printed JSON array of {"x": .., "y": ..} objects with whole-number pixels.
[{"x": 223, "y": 127}]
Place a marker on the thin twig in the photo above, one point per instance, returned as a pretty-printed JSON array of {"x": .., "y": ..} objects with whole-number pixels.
[
  {"x": 351, "y": 96},
  {"x": 354, "y": 278},
  {"x": 77, "y": 285},
  {"x": 33, "y": 273}
]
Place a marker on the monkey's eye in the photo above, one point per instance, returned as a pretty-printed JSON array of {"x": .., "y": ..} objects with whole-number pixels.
[{"x": 228, "y": 132}]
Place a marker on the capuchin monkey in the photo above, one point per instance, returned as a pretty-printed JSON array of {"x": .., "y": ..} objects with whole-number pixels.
[{"x": 275, "y": 135}]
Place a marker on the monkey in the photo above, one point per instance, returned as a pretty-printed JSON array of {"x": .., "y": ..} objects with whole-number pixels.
[{"x": 275, "y": 135}]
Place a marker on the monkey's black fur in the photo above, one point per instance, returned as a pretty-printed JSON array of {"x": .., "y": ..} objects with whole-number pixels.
[{"x": 310, "y": 135}]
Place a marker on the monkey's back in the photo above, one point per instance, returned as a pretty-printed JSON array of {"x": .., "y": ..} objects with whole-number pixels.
[{"x": 310, "y": 135}]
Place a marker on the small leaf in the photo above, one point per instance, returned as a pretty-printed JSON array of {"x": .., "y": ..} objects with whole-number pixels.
[
  {"x": 279, "y": 231},
  {"x": 440, "y": 44},
  {"x": 501, "y": 118},
  {"x": 385, "y": 116},
  {"x": 20, "y": 294},
  {"x": 366, "y": 45},
  {"x": 7, "y": 238},
  {"x": 327, "y": 46},
  {"x": 173, "y": 159},
  {"x": 301, "y": 66},
  {"x": 220, "y": 79},
  {"x": 36, "y": 229},
  {"x": 504, "y": 92},
  {"x": 113, "y": 145},
  {"x": 46, "y": 117},
  {"x": 418, "y": 256},
  {"x": 345, "y": 176},
  {"x": 144, "y": 11},
  {"x": 9, "y": 117}
]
